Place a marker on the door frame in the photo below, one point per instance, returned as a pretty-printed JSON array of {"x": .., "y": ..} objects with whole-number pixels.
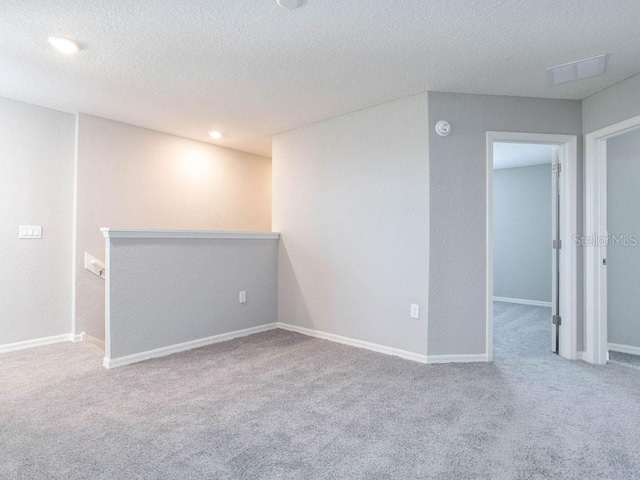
[
  {"x": 595, "y": 228},
  {"x": 568, "y": 157}
]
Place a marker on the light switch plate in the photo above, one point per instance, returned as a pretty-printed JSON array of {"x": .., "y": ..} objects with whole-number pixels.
[
  {"x": 415, "y": 310},
  {"x": 242, "y": 297},
  {"x": 30, "y": 231}
]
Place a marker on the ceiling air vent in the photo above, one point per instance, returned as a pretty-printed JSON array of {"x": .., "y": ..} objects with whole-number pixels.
[{"x": 569, "y": 72}]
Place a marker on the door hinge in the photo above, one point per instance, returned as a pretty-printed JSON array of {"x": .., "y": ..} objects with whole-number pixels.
[
  {"x": 557, "y": 168},
  {"x": 557, "y": 320},
  {"x": 557, "y": 244},
  {"x": 604, "y": 261}
]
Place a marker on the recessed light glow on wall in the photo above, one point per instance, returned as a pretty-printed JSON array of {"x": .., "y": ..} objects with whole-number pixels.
[
  {"x": 65, "y": 45},
  {"x": 197, "y": 166},
  {"x": 216, "y": 135}
]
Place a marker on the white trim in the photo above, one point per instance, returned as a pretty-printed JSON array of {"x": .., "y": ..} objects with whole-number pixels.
[
  {"x": 169, "y": 234},
  {"x": 522, "y": 301},
  {"x": 181, "y": 347},
  {"x": 79, "y": 338},
  {"x": 595, "y": 226},
  {"x": 580, "y": 356},
  {"x": 630, "y": 349},
  {"x": 489, "y": 245},
  {"x": 468, "y": 358},
  {"x": 74, "y": 226},
  {"x": 595, "y": 309},
  {"x": 616, "y": 129},
  {"x": 352, "y": 342},
  {"x": 95, "y": 341},
  {"x": 569, "y": 305},
  {"x": 37, "y": 342}
]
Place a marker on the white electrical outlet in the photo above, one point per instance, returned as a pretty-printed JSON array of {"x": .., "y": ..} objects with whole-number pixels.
[
  {"x": 242, "y": 297},
  {"x": 415, "y": 310}
]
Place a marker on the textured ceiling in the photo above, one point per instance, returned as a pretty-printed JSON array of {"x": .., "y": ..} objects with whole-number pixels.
[
  {"x": 510, "y": 155},
  {"x": 252, "y": 69}
]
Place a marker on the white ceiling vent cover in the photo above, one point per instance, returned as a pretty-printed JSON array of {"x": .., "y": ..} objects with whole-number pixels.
[{"x": 569, "y": 72}]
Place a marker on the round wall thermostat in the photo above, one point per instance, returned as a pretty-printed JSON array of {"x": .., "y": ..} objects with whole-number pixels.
[{"x": 443, "y": 128}]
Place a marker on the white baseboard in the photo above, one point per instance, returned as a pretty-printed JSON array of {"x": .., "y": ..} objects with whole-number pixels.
[
  {"x": 181, "y": 347},
  {"x": 37, "y": 342},
  {"x": 96, "y": 341},
  {"x": 79, "y": 338},
  {"x": 522, "y": 301},
  {"x": 581, "y": 356},
  {"x": 631, "y": 350},
  {"x": 465, "y": 358},
  {"x": 352, "y": 342}
]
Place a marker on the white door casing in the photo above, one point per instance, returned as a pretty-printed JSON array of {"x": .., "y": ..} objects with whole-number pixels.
[
  {"x": 568, "y": 157},
  {"x": 596, "y": 234}
]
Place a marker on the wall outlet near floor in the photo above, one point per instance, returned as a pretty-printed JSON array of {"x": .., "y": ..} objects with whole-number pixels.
[
  {"x": 415, "y": 310},
  {"x": 242, "y": 297}
]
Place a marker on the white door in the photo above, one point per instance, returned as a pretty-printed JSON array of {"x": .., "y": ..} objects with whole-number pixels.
[{"x": 556, "y": 246}]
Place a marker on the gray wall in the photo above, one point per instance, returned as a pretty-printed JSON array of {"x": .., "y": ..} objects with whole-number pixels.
[
  {"x": 36, "y": 188},
  {"x": 522, "y": 233},
  {"x": 623, "y": 270},
  {"x": 351, "y": 200},
  {"x": 458, "y": 206},
  {"x": 170, "y": 291},
  {"x": 612, "y": 105}
]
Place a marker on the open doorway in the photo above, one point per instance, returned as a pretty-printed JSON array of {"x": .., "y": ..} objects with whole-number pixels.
[
  {"x": 531, "y": 259},
  {"x": 523, "y": 262},
  {"x": 612, "y": 244}
]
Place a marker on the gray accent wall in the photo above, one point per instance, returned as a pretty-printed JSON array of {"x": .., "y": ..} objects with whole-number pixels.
[
  {"x": 623, "y": 222},
  {"x": 169, "y": 291},
  {"x": 36, "y": 188},
  {"x": 612, "y": 105},
  {"x": 522, "y": 221},
  {"x": 457, "y": 262}
]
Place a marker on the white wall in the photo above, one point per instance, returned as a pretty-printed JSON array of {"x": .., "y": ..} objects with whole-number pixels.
[
  {"x": 130, "y": 177},
  {"x": 36, "y": 187},
  {"x": 168, "y": 291},
  {"x": 351, "y": 200}
]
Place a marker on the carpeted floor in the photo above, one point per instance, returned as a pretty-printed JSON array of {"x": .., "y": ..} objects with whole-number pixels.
[
  {"x": 520, "y": 331},
  {"x": 279, "y": 405}
]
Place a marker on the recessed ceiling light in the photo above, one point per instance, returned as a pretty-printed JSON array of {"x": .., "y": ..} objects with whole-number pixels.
[
  {"x": 65, "y": 45},
  {"x": 215, "y": 134},
  {"x": 289, "y": 4},
  {"x": 568, "y": 72}
]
